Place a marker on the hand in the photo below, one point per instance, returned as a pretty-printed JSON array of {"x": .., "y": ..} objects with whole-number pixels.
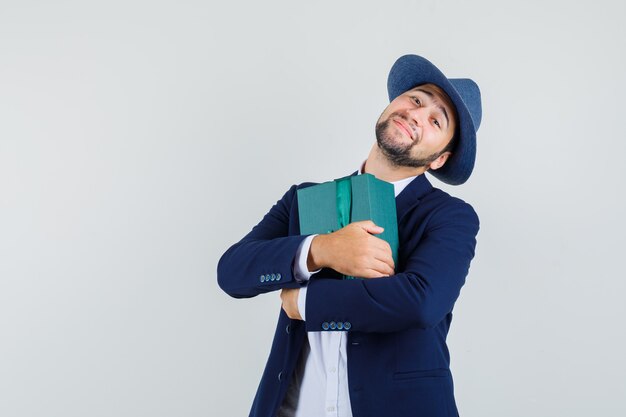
[
  {"x": 353, "y": 251},
  {"x": 289, "y": 296}
]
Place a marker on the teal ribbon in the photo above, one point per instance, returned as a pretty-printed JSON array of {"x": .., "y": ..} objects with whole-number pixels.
[{"x": 344, "y": 205}]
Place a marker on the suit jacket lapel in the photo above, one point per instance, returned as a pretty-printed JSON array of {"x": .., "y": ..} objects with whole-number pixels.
[{"x": 411, "y": 195}]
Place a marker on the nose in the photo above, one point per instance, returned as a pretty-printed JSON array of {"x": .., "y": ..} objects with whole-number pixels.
[{"x": 416, "y": 115}]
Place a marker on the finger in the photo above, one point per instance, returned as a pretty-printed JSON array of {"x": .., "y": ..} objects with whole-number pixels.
[
  {"x": 385, "y": 256},
  {"x": 386, "y": 265},
  {"x": 380, "y": 243},
  {"x": 388, "y": 268},
  {"x": 371, "y": 273},
  {"x": 382, "y": 268},
  {"x": 370, "y": 227}
]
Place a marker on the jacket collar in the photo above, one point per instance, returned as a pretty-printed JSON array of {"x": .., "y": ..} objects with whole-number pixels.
[{"x": 411, "y": 195}]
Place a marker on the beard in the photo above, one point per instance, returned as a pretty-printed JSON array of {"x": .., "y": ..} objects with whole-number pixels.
[{"x": 397, "y": 152}]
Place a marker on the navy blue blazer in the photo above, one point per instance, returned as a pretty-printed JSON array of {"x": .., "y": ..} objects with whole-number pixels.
[{"x": 398, "y": 360}]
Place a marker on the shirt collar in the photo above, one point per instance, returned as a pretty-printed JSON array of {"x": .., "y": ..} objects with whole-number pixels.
[{"x": 399, "y": 185}]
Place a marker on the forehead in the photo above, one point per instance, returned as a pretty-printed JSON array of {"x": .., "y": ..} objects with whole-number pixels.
[{"x": 436, "y": 94}]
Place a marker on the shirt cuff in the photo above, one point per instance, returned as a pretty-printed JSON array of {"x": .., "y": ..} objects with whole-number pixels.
[
  {"x": 302, "y": 301},
  {"x": 301, "y": 271}
]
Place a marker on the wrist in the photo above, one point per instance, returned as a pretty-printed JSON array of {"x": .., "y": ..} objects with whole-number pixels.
[{"x": 315, "y": 259}]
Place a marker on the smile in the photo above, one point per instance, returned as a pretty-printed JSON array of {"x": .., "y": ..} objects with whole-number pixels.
[{"x": 404, "y": 129}]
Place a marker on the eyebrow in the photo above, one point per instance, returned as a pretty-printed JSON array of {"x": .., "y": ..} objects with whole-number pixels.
[{"x": 439, "y": 106}]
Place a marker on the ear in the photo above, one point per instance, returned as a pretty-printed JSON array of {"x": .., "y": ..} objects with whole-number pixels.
[{"x": 441, "y": 159}]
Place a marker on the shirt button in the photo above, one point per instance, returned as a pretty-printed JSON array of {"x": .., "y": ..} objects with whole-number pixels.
[
  {"x": 333, "y": 369},
  {"x": 330, "y": 409}
]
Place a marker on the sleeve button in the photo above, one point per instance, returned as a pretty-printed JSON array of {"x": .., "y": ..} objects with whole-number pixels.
[
  {"x": 333, "y": 325},
  {"x": 262, "y": 278},
  {"x": 347, "y": 325},
  {"x": 325, "y": 325}
]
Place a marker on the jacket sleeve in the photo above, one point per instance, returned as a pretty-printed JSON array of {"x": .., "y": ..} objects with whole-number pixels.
[
  {"x": 420, "y": 296},
  {"x": 262, "y": 260}
]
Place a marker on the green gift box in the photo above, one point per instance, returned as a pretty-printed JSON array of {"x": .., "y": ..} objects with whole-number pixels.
[{"x": 329, "y": 206}]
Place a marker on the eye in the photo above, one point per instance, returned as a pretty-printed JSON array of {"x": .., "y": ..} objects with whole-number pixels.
[
  {"x": 437, "y": 123},
  {"x": 417, "y": 101}
]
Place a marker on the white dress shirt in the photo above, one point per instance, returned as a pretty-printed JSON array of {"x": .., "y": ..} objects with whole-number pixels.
[{"x": 324, "y": 382}]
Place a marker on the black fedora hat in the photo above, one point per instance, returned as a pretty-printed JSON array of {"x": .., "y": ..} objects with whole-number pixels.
[{"x": 408, "y": 72}]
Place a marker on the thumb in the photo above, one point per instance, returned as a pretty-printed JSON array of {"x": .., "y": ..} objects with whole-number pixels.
[{"x": 370, "y": 227}]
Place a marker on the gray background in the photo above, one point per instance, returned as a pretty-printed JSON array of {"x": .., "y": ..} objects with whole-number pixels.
[{"x": 140, "y": 139}]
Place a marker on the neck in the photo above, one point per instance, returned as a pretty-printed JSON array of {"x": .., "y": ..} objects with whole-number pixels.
[{"x": 380, "y": 167}]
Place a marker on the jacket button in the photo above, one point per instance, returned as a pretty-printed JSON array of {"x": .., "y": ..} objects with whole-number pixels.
[
  {"x": 280, "y": 376},
  {"x": 325, "y": 325},
  {"x": 288, "y": 328},
  {"x": 262, "y": 278},
  {"x": 333, "y": 325},
  {"x": 347, "y": 325}
]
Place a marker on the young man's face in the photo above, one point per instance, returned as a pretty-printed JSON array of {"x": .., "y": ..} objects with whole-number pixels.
[{"x": 415, "y": 127}]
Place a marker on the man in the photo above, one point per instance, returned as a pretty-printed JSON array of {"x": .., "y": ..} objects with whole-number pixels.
[{"x": 374, "y": 346}]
